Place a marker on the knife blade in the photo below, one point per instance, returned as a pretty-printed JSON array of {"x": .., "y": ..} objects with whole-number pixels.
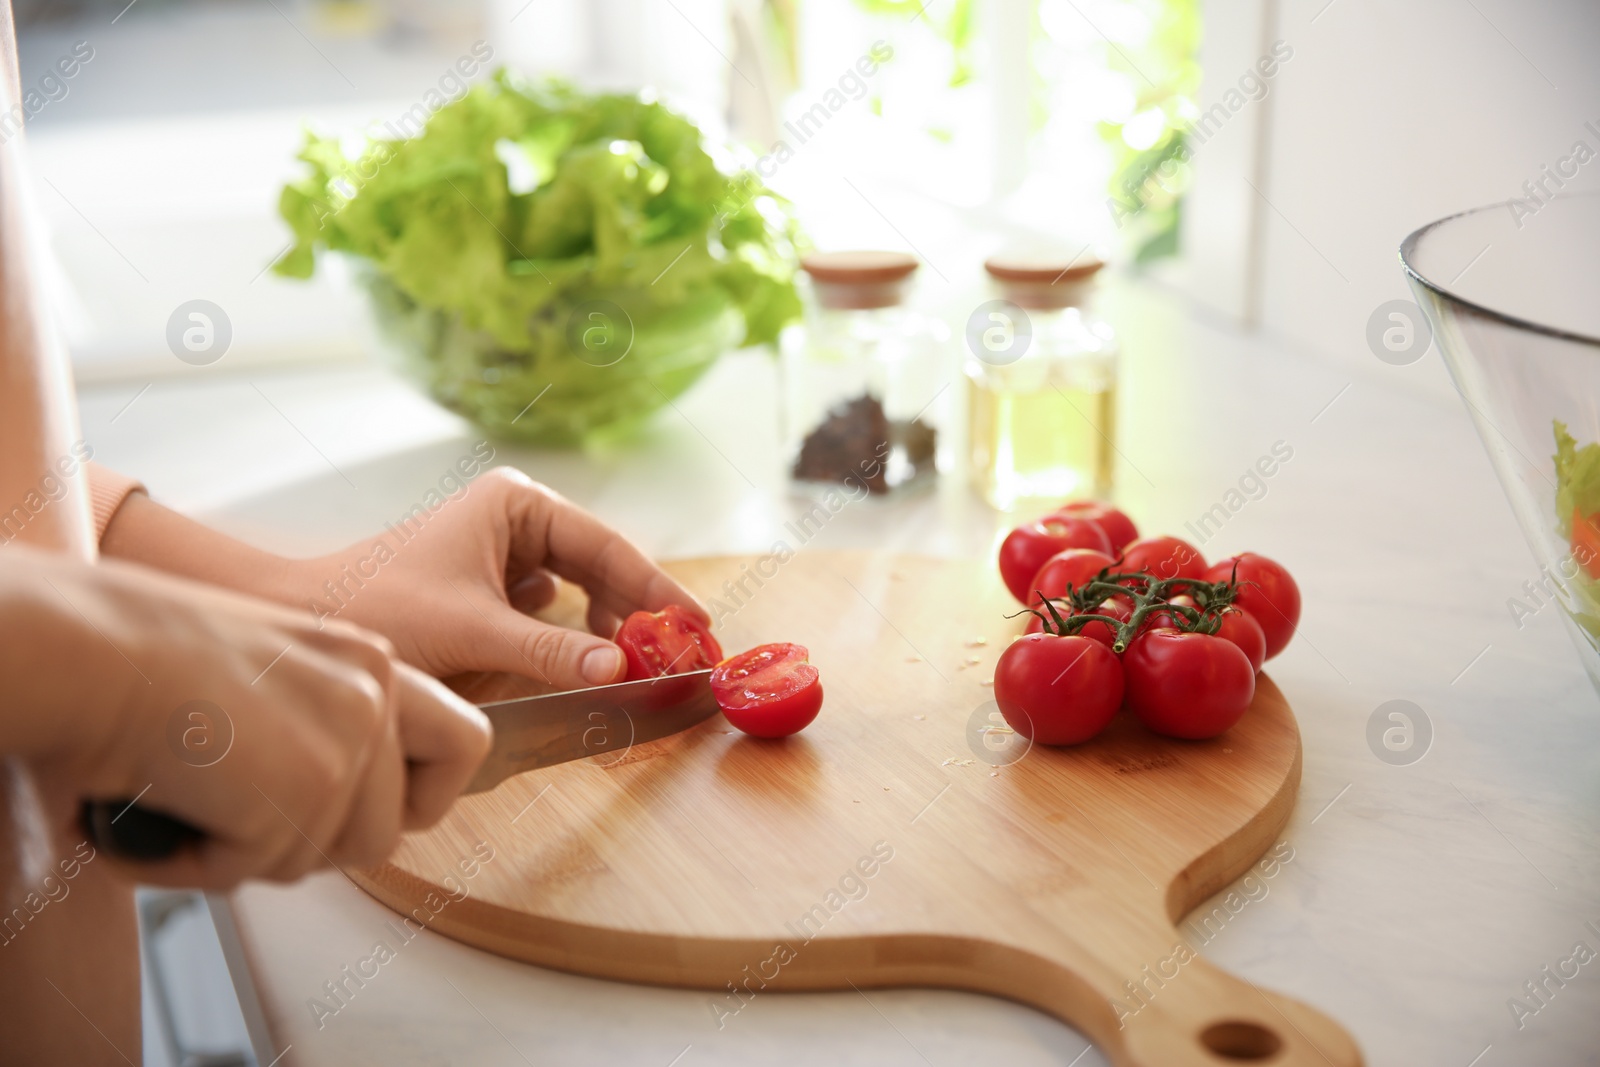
[
  {"x": 529, "y": 733},
  {"x": 605, "y": 722}
]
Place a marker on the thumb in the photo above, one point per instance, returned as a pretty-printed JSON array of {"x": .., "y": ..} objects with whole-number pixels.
[{"x": 555, "y": 655}]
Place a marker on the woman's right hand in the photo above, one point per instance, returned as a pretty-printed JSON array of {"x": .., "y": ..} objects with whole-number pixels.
[{"x": 325, "y": 748}]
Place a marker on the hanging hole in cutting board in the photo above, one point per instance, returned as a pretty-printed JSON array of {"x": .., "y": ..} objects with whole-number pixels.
[{"x": 1240, "y": 1041}]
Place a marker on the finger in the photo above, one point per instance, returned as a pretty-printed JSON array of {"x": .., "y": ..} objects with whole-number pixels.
[
  {"x": 554, "y": 655},
  {"x": 580, "y": 548},
  {"x": 444, "y": 740},
  {"x": 533, "y": 592},
  {"x": 372, "y": 828},
  {"x": 602, "y": 622}
]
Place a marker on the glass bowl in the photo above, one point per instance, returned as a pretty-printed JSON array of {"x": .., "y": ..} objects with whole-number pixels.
[
  {"x": 596, "y": 367},
  {"x": 1512, "y": 293}
]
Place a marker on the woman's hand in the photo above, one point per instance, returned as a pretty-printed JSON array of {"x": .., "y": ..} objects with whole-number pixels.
[
  {"x": 321, "y": 747},
  {"x": 453, "y": 589}
]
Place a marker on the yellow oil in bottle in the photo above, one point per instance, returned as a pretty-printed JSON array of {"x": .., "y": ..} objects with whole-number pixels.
[{"x": 1041, "y": 434}]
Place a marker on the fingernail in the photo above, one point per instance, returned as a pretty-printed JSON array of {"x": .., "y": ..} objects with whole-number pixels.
[{"x": 602, "y": 665}]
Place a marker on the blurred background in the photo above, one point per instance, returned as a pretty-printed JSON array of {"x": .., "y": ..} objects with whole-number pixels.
[
  {"x": 993, "y": 120},
  {"x": 1257, "y": 161}
]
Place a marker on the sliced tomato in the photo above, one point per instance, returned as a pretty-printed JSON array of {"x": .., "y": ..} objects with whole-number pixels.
[
  {"x": 769, "y": 691},
  {"x": 669, "y": 641}
]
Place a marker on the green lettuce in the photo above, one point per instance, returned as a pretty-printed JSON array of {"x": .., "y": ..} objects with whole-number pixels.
[
  {"x": 517, "y": 203},
  {"x": 1577, "y": 478}
]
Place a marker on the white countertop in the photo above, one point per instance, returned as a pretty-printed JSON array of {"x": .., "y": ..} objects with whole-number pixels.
[{"x": 1419, "y": 900}]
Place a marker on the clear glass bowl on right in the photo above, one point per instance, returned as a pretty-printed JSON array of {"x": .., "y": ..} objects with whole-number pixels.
[{"x": 1512, "y": 293}]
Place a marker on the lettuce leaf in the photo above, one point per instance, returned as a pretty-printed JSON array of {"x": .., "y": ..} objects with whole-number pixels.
[{"x": 1577, "y": 478}]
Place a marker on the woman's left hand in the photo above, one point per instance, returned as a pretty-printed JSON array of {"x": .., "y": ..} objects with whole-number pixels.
[{"x": 452, "y": 587}]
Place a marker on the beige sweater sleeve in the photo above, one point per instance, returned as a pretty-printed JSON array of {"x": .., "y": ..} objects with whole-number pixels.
[{"x": 107, "y": 491}]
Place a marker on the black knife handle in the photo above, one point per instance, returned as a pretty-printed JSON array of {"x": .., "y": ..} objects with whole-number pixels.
[{"x": 130, "y": 832}]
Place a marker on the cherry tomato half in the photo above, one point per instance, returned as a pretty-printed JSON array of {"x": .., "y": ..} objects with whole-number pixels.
[
  {"x": 1119, "y": 529},
  {"x": 1057, "y": 690},
  {"x": 1267, "y": 592},
  {"x": 1030, "y": 546},
  {"x": 1164, "y": 557},
  {"x": 769, "y": 691},
  {"x": 1187, "y": 685},
  {"x": 669, "y": 641}
]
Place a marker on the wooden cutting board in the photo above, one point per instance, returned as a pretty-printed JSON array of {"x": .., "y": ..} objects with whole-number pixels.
[{"x": 890, "y": 844}]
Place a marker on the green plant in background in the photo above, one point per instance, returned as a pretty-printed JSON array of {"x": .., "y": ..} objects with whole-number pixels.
[
  {"x": 492, "y": 239},
  {"x": 954, "y": 23},
  {"x": 1149, "y": 172},
  {"x": 1149, "y": 175}
]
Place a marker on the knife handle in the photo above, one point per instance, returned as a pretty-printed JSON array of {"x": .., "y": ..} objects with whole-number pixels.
[{"x": 130, "y": 832}]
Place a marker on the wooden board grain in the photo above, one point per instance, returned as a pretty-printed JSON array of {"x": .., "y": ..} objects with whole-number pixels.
[{"x": 888, "y": 845}]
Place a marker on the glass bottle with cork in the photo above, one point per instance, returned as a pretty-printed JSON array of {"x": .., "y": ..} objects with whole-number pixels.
[
  {"x": 863, "y": 382},
  {"x": 1041, "y": 385}
]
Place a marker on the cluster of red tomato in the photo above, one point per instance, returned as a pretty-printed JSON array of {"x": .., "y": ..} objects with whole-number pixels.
[
  {"x": 768, "y": 691},
  {"x": 1142, "y": 623}
]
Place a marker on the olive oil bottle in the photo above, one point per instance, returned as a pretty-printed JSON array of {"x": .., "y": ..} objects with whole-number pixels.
[{"x": 1041, "y": 388}]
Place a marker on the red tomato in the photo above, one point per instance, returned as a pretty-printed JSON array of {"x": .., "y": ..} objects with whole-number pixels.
[
  {"x": 1169, "y": 619},
  {"x": 1164, "y": 557},
  {"x": 1267, "y": 592},
  {"x": 1117, "y": 607},
  {"x": 1057, "y": 690},
  {"x": 1071, "y": 568},
  {"x": 1030, "y": 546},
  {"x": 1187, "y": 685},
  {"x": 769, "y": 691},
  {"x": 669, "y": 641},
  {"x": 1119, "y": 529},
  {"x": 1586, "y": 543},
  {"x": 1241, "y": 628}
]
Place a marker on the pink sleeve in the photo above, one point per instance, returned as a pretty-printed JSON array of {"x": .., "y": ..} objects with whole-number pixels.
[{"x": 107, "y": 491}]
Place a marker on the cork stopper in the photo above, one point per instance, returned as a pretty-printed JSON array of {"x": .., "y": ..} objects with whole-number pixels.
[
  {"x": 859, "y": 280},
  {"x": 1044, "y": 281}
]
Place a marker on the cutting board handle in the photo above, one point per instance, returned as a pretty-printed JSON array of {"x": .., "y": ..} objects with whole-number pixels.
[{"x": 1203, "y": 1016}]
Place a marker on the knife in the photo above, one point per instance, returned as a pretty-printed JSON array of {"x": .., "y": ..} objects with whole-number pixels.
[{"x": 529, "y": 733}]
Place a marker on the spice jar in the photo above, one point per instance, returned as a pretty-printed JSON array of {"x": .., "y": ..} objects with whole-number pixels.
[
  {"x": 1041, "y": 385},
  {"x": 863, "y": 384}
]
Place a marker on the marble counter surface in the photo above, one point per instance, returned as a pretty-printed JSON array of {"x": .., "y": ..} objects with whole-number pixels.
[{"x": 1421, "y": 899}]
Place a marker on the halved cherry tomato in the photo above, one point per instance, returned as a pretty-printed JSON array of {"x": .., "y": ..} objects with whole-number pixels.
[
  {"x": 1119, "y": 529},
  {"x": 669, "y": 641},
  {"x": 1187, "y": 685},
  {"x": 1030, "y": 546},
  {"x": 1071, "y": 568},
  {"x": 1164, "y": 557},
  {"x": 1057, "y": 690},
  {"x": 1267, "y": 592},
  {"x": 769, "y": 691}
]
